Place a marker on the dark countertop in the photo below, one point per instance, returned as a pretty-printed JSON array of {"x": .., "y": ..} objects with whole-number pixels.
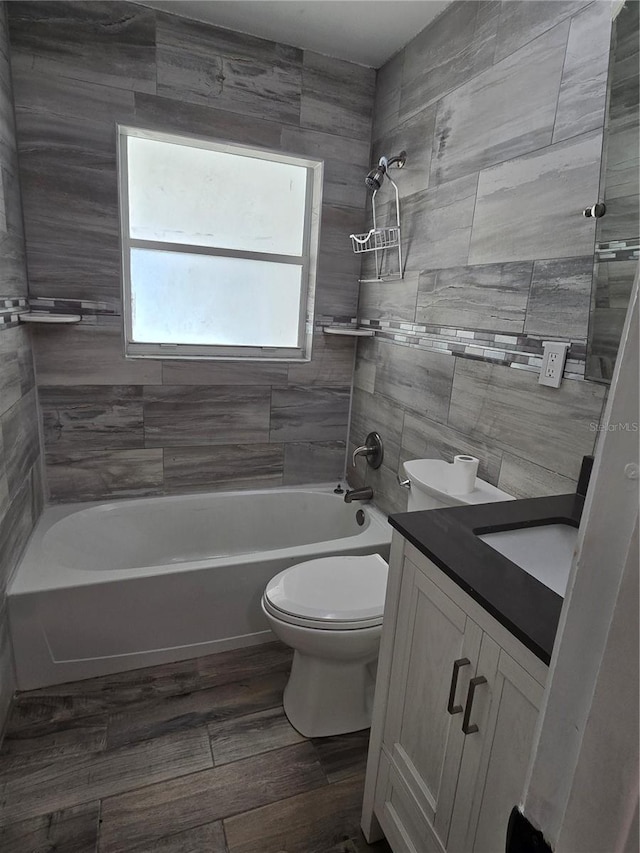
[{"x": 517, "y": 600}]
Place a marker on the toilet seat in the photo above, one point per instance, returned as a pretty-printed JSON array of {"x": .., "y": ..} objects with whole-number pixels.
[
  {"x": 317, "y": 624},
  {"x": 331, "y": 593}
]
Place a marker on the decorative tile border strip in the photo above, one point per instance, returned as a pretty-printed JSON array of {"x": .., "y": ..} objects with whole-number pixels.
[
  {"x": 12, "y": 306},
  {"x": 73, "y": 306},
  {"x": 618, "y": 250},
  {"x": 321, "y": 320},
  {"x": 523, "y": 352},
  {"x": 10, "y": 309}
]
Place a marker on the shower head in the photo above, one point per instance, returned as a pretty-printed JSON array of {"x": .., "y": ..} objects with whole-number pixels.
[{"x": 376, "y": 176}]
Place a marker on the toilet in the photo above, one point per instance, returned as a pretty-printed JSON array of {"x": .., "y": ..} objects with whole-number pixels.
[
  {"x": 330, "y": 612},
  {"x": 432, "y": 486}
]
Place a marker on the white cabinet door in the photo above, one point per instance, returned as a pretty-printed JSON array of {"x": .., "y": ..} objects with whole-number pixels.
[
  {"x": 492, "y": 783},
  {"x": 406, "y": 826},
  {"x": 422, "y": 737}
]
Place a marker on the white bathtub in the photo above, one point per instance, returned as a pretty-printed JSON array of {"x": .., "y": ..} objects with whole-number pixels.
[{"x": 105, "y": 587}]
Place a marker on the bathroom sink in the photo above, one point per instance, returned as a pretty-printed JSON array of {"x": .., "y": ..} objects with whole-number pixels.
[{"x": 546, "y": 552}]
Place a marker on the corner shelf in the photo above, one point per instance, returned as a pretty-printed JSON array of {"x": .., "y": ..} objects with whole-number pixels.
[{"x": 53, "y": 319}]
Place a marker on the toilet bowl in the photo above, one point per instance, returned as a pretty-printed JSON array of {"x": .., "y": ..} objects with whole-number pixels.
[{"x": 330, "y": 612}]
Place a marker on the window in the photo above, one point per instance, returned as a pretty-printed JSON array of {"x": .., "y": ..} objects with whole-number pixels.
[{"x": 219, "y": 248}]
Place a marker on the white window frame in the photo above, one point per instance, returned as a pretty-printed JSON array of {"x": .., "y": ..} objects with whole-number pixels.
[{"x": 308, "y": 259}]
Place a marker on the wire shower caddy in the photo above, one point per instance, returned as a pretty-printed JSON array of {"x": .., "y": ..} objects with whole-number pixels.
[{"x": 381, "y": 240}]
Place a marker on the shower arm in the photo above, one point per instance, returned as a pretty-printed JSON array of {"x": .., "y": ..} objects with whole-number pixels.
[{"x": 401, "y": 159}]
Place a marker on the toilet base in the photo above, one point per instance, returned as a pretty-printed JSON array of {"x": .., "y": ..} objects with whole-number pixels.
[{"x": 325, "y": 697}]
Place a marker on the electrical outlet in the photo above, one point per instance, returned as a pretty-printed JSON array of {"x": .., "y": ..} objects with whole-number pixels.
[{"x": 555, "y": 355}]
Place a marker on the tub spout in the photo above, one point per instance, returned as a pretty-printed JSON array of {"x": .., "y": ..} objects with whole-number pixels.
[{"x": 363, "y": 494}]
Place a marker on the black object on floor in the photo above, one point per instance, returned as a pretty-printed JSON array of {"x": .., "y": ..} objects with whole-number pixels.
[
  {"x": 585, "y": 475},
  {"x": 522, "y": 837}
]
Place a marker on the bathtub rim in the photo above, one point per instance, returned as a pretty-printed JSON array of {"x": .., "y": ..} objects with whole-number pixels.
[{"x": 31, "y": 576}]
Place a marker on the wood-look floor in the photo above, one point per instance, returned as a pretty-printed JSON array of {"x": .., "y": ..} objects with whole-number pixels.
[{"x": 193, "y": 757}]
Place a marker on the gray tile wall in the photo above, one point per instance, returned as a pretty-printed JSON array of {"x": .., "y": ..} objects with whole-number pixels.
[
  {"x": 20, "y": 457},
  {"x": 615, "y": 271},
  {"x": 119, "y": 428},
  {"x": 500, "y": 106}
]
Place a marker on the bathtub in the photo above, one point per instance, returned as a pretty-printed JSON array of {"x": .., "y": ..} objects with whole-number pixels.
[{"x": 106, "y": 587}]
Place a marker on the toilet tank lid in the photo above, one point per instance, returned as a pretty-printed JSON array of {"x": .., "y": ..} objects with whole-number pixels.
[
  {"x": 433, "y": 477},
  {"x": 335, "y": 589}
]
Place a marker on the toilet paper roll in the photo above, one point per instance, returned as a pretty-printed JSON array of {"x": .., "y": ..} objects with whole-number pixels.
[{"x": 463, "y": 474}]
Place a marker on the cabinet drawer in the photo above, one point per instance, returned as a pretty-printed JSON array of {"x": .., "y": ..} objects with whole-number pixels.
[{"x": 403, "y": 822}]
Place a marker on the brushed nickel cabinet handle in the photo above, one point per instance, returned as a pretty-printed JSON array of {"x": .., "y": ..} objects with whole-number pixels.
[
  {"x": 457, "y": 664},
  {"x": 466, "y": 728}
]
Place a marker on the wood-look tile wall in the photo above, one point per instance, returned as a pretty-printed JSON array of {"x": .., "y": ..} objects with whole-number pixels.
[
  {"x": 20, "y": 457},
  {"x": 500, "y": 106},
  {"x": 115, "y": 427}
]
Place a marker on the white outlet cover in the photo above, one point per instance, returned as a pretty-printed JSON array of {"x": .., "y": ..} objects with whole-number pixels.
[{"x": 553, "y": 359}]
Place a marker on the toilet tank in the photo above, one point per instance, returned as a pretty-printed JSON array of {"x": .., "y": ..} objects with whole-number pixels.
[{"x": 431, "y": 487}]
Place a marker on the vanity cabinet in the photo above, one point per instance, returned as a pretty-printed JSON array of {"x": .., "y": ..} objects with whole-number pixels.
[{"x": 453, "y": 727}]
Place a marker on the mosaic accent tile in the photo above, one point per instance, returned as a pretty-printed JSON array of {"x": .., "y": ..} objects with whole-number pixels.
[
  {"x": 618, "y": 250},
  {"x": 519, "y": 351},
  {"x": 73, "y": 306},
  {"x": 10, "y": 309},
  {"x": 12, "y": 302}
]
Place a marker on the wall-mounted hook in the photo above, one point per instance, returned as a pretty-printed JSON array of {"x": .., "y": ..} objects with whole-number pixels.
[{"x": 596, "y": 211}]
